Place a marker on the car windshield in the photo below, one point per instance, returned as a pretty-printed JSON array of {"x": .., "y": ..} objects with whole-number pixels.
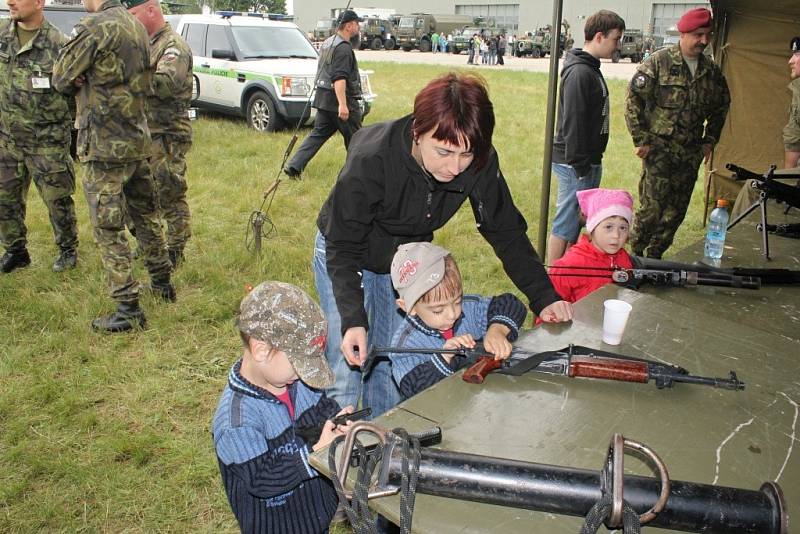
[
  {"x": 257, "y": 42},
  {"x": 407, "y": 22}
]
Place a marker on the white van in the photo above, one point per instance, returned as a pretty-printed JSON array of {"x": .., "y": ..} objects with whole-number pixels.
[{"x": 254, "y": 67}]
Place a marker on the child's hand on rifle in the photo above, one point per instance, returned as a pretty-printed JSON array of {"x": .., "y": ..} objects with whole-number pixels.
[
  {"x": 457, "y": 342},
  {"x": 331, "y": 431},
  {"x": 496, "y": 341}
]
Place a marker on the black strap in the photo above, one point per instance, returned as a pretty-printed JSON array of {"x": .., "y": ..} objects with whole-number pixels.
[{"x": 602, "y": 511}]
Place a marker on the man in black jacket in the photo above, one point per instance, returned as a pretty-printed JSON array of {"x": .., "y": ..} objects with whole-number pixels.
[
  {"x": 583, "y": 126},
  {"x": 337, "y": 94}
]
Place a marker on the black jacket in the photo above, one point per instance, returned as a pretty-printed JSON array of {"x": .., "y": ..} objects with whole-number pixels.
[
  {"x": 382, "y": 199},
  {"x": 583, "y": 112}
]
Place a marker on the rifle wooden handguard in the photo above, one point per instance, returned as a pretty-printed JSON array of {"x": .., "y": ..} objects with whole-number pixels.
[
  {"x": 477, "y": 373},
  {"x": 607, "y": 368}
]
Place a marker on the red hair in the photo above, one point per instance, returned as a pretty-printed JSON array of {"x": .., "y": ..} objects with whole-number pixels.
[{"x": 458, "y": 110}]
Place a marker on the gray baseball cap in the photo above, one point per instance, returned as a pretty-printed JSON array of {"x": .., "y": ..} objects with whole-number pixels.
[
  {"x": 416, "y": 269},
  {"x": 287, "y": 318}
]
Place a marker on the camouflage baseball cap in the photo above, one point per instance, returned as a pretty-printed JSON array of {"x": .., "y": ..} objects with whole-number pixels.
[
  {"x": 128, "y": 4},
  {"x": 284, "y": 316},
  {"x": 416, "y": 269}
]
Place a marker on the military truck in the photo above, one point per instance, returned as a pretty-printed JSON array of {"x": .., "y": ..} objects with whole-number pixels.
[
  {"x": 537, "y": 44},
  {"x": 461, "y": 39},
  {"x": 377, "y": 33},
  {"x": 415, "y": 30},
  {"x": 325, "y": 28},
  {"x": 631, "y": 46}
]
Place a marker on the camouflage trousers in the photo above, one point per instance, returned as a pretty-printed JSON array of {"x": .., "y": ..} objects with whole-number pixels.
[
  {"x": 109, "y": 189},
  {"x": 52, "y": 171},
  {"x": 665, "y": 189},
  {"x": 168, "y": 161}
]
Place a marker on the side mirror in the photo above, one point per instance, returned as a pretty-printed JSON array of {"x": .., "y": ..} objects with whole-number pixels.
[{"x": 223, "y": 54}]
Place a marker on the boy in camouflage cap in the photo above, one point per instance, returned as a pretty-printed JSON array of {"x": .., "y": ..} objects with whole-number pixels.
[{"x": 273, "y": 392}]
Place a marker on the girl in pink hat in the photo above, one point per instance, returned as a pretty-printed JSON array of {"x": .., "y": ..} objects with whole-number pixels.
[{"x": 609, "y": 213}]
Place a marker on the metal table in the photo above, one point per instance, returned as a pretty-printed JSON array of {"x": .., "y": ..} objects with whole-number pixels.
[
  {"x": 772, "y": 309},
  {"x": 703, "y": 434}
]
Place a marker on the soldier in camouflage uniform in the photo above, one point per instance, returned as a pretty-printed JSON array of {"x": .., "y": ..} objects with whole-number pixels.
[
  {"x": 791, "y": 134},
  {"x": 106, "y": 64},
  {"x": 675, "y": 110},
  {"x": 34, "y": 136},
  {"x": 168, "y": 119}
]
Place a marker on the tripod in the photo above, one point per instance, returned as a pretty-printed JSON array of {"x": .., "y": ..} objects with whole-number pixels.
[{"x": 761, "y": 203}]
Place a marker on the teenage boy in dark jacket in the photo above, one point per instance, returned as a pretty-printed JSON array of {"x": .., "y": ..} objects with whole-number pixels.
[{"x": 583, "y": 126}]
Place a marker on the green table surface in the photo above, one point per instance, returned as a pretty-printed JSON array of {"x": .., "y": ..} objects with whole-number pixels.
[
  {"x": 772, "y": 309},
  {"x": 703, "y": 434}
]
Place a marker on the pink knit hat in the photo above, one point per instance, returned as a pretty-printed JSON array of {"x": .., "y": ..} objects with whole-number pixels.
[{"x": 599, "y": 204}]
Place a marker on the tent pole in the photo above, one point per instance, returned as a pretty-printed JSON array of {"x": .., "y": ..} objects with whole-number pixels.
[{"x": 549, "y": 129}]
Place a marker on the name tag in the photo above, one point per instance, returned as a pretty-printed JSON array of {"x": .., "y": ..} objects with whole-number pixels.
[{"x": 40, "y": 82}]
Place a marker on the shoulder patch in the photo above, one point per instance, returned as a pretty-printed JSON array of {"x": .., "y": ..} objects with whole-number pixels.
[
  {"x": 640, "y": 81},
  {"x": 171, "y": 53}
]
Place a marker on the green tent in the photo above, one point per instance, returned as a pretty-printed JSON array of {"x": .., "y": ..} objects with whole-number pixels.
[{"x": 752, "y": 47}]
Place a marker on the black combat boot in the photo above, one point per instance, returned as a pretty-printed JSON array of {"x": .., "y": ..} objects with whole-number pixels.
[
  {"x": 14, "y": 260},
  {"x": 162, "y": 287},
  {"x": 67, "y": 259},
  {"x": 175, "y": 257},
  {"x": 127, "y": 317}
]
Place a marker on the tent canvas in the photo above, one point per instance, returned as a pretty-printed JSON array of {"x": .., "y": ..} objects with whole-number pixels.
[{"x": 752, "y": 47}]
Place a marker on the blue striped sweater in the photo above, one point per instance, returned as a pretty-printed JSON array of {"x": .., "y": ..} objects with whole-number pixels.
[
  {"x": 264, "y": 466},
  {"x": 415, "y": 372}
]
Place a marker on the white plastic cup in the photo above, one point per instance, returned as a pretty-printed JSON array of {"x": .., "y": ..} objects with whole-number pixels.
[{"x": 615, "y": 317}]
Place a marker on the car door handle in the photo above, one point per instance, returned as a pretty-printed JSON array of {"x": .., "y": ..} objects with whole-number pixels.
[{"x": 206, "y": 65}]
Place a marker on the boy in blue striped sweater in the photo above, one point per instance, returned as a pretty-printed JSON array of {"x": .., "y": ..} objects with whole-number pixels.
[
  {"x": 272, "y": 391},
  {"x": 438, "y": 314}
]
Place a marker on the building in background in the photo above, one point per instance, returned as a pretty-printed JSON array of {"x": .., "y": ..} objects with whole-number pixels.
[{"x": 516, "y": 16}]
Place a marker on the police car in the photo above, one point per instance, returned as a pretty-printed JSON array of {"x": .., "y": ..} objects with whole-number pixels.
[{"x": 254, "y": 67}]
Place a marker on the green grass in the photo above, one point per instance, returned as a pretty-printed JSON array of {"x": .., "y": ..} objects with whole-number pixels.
[{"x": 111, "y": 433}]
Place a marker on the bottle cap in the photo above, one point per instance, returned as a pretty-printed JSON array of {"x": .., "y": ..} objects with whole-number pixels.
[{"x": 722, "y": 203}]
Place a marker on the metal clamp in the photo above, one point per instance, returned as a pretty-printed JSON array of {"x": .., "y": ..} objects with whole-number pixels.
[
  {"x": 347, "y": 451},
  {"x": 614, "y": 472}
]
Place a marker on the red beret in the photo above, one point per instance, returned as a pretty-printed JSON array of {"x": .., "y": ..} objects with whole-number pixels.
[{"x": 694, "y": 18}]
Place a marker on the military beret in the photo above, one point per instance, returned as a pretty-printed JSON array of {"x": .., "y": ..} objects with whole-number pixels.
[
  {"x": 794, "y": 45},
  {"x": 128, "y": 4},
  {"x": 694, "y": 18}
]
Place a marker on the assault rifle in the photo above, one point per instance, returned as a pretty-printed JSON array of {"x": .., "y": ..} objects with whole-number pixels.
[
  {"x": 668, "y": 274},
  {"x": 574, "y": 361},
  {"x": 768, "y": 186},
  {"x": 774, "y": 277}
]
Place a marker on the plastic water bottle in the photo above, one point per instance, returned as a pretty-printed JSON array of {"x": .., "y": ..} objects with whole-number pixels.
[{"x": 717, "y": 227}]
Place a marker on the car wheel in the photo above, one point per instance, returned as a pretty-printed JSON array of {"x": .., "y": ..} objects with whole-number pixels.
[
  {"x": 615, "y": 57},
  {"x": 389, "y": 44},
  {"x": 425, "y": 46},
  {"x": 261, "y": 115},
  {"x": 376, "y": 43},
  {"x": 536, "y": 52}
]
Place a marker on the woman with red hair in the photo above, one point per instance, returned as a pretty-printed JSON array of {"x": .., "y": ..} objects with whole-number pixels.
[{"x": 403, "y": 180}]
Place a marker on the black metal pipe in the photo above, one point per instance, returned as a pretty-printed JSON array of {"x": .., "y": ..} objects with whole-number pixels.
[{"x": 563, "y": 490}]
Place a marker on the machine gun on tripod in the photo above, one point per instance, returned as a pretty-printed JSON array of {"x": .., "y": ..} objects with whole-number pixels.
[{"x": 768, "y": 187}]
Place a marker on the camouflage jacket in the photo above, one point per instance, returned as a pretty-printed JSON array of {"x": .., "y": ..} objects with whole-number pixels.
[
  {"x": 32, "y": 112},
  {"x": 791, "y": 132},
  {"x": 666, "y": 105},
  {"x": 171, "y": 63},
  {"x": 110, "y": 50}
]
